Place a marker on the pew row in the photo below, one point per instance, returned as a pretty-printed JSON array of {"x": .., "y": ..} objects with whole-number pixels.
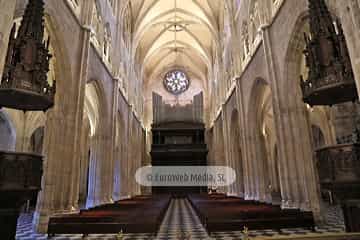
[
  {"x": 141, "y": 214},
  {"x": 218, "y": 213}
]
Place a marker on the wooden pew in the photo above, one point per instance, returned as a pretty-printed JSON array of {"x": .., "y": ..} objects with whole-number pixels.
[
  {"x": 221, "y": 213},
  {"x": 142, "y": 214}
]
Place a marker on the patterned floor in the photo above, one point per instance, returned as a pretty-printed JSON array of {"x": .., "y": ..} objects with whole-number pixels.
[{"x": 182, "y": 223}]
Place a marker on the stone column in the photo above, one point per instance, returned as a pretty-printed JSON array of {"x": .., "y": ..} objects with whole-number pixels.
[
  {"x": 94, "y": 189},
  {"x": 131, "y": 153},
  {"x": 256, "y": 162},
  {"x": 227, "y": 160},
  {"x": 280, "y": 132},
  {"x": 111, "y": 130},
  {"x": 101, "y": 173},
  {"x": 84, "y": 162},
  {"x": 139, "y": 155},
  {"x": 125, "y": 162},
  {"x": 7, "y": 9},
  {"x": 59, "y": 152},
  {"x": 220, "y": 149},
  {"x": 60, "y": 181},
  {"x": 116, "y": 156},
  {"x": 260, "y": 162},
  {"x": 248, "y": 180},
  {"x": 299, "y": 185}
]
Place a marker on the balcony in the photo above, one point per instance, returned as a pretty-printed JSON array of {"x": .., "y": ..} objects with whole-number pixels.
[{"x": 339, "y": 170}]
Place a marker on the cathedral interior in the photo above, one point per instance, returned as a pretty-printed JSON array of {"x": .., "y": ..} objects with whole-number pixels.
[{"x": 93, "y": 93}]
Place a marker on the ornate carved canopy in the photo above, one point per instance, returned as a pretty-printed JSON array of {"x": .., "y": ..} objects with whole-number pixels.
[
  {"x": 24, "y": 84},
  {"x": 331, "y": 79}
]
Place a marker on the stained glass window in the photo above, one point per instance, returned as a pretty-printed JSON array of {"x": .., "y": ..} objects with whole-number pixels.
[{"x": 176, "y": 82}]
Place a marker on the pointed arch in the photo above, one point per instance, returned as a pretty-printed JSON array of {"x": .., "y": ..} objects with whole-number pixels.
[
  {"x": 7, "y": 133},
  {"x": 236, "y": 152}
]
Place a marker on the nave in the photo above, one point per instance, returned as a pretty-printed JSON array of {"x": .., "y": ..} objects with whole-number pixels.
[{"x": 91, "y": 91}]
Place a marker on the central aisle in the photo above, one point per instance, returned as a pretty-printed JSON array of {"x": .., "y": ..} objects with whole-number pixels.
[{"x": 181, "y": 221}]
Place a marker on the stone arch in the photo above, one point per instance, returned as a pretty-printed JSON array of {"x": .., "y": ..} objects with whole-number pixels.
[
  {"x": 317, "y": 136},
  {"x": 236, "y": 152},
  {"x": 321, "y": 118},
  {"x": 220, "y": 142},
  {"x": 126, "y": 23},
  {"x": 276, "y": 184},
  {"x": 62, "y": 70},
  {"x": 33, "y": 121},
  {"x": 37, "y": 140},
  {"x": 261, "y": 136},
  {"x": 120, "y": 160},
  {"x": 296, "y": 149},
  {"x": 211, "y": 146},
  {"x": 36, "y": 143},
  {"x": 7, "y": 133},
  {"x": 60, "y": 167},
  {"x": 92, "y": 106},
  {"x": 84, "y": 160},
  {"x": 133, "y": 154},
  {"x": 95, "y": 109},
  {"x": 219, "y": 151},
  {"x": 295, "y": 66},
  {"x": 294, "y": 61},
  {"x": 258, "y": 14}
]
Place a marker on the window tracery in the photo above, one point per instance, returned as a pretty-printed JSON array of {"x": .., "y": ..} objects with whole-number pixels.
[
  {"x": 107, "y": 45},
  {"x": 74, "y": 3},
  {"x": 245, "y": 38},
  {"x": 276, "y": 6},
  {"x": 74, "y": 6},
  {"x": 96, "y": 27},
  {"x": 255, "y": 21},
  {"x": 101, "y": 36},
  {"x": 127, "y": 27},
  {"x": 176, "y": 82},
  {"x": 112, "y": 4}
]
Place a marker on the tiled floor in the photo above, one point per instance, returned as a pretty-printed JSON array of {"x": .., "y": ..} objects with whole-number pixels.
[{"x": 181, "y": 222}]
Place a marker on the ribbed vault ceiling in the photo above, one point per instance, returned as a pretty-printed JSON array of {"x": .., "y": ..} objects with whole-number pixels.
[{"x": 175, "y": 33}]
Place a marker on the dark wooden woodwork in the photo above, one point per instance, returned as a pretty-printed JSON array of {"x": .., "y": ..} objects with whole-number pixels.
[
  {"x": 20, "y": 180},
  {"x": 339, "y": 170},
  {"x": 339, "y": 173},
  {"x": 351, "y": 210},
  {"x": 220, "y": 213},
  {"x": 140, "y": 214},
  {"x": 190, "y": 150},
  {"x": 24, "y": 84},
  {"x": 331, "y": 79}
]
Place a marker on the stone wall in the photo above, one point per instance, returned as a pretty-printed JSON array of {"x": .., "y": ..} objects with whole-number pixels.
[
  {"x": 77, "y": 138},
  {"x": 271, "y": 56}
]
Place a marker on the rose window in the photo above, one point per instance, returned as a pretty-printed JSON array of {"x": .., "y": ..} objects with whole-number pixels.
[{"x": 176, "y": 82}]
